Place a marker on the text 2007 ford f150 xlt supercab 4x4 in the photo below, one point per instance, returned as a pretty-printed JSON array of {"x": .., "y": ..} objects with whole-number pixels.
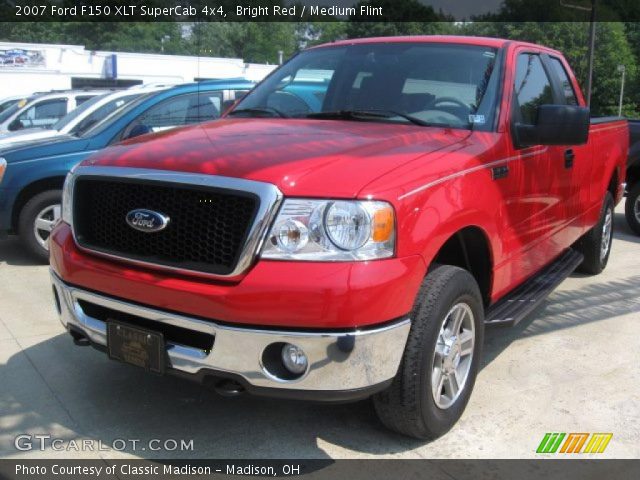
[{"x": 355, "y": 245}]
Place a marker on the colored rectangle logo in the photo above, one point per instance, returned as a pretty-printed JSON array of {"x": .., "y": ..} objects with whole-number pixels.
[{"x": 560, "y": 442}]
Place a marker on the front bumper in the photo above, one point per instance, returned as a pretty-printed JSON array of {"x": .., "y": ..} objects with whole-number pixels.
[
  {"x": 343, "y": 365},
  {"x": 272, "y": 294}
]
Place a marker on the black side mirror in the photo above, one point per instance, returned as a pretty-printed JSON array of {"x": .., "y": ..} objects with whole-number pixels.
[
  {"x": 15, "y": 125},
  {"x": 137, "y": 130},
  {"x": 555, "y": 125}
]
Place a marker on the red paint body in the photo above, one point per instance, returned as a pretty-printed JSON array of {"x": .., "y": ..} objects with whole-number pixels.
[{"x": 439, "y": 181}]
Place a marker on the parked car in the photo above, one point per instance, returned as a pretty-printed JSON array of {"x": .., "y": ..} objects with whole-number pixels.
[
  {"x": 81, "y": 119},
  {"x": 43, "y": 109},
  {"x": 10, "y": 101},
  {"x": 355, "y": 249},
  {"x": 632, "y": 205},
  {"x": 34, "y": 172}
]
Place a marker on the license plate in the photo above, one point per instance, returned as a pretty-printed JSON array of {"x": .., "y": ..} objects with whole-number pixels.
[{"x": 136, "y": 346}]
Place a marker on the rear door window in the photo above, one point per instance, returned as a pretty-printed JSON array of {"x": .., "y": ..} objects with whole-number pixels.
[{"x": 565, "y": 83}]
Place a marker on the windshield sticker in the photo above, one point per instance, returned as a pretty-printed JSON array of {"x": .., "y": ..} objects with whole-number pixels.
[
  {"x": 476, "y": 119},
  {"x": 489, "y": 54}
]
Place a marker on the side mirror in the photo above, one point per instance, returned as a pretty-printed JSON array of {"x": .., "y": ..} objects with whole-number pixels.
[
  {"x": 15, "y": 125},
  {"x": 555, "y": 125},
  {"x": 137, "y": 130}
]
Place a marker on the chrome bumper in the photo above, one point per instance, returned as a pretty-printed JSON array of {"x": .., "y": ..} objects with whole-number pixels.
[{"x": 338, "y": 361}]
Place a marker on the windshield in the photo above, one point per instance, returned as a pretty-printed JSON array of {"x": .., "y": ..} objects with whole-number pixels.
[
  {"x": 67, "y": 119},
  {"x": 101, "y": 112},
  {"x": 4, "y": 104},
  {"x": 114, "y": 116},
  {"x": 14, "y": 108},
  {"x": 418, "y": 83}
]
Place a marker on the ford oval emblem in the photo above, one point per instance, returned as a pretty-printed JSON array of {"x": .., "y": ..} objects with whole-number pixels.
[{"x": 147, "y": 221}]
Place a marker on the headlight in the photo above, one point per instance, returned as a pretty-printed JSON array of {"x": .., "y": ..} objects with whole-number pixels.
[
  {"x": 3, "y": 167},
  {"x": 332, "y": 230},
  {"x": 67, "y": 199}
]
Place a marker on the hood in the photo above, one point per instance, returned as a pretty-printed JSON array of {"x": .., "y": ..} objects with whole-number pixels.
[
  {"x": 8, "y": 140},
  {"x": 302, "y": 157},
  {"x": 41, "y": 147}
]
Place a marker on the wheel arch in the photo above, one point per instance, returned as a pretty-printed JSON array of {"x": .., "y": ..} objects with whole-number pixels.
[
  {"x": 29, "y": 191},
  {"x": 469, "y": 248},
  {"x": 633, "y": 175}
]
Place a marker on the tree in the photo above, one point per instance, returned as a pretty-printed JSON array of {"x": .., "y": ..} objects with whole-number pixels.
[
  {"x": 257, "y": 42},
  {"x": 412, "y": 18},
  {"x": 318, "y": 32}
]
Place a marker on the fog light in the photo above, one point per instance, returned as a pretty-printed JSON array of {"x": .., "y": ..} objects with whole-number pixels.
[{"x": 294, "y": 359}]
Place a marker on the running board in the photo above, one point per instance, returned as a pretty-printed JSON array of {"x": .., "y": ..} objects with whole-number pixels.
[{"x": 523, "y": 300}]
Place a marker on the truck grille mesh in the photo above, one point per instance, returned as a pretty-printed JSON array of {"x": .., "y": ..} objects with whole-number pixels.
[{"x": 206, "y": 232}]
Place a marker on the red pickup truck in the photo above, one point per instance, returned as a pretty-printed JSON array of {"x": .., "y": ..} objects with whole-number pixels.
[{"x": 349, "y": 228}]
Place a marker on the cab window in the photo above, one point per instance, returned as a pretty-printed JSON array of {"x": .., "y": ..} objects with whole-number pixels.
[
  {"x": 565, "y": 83},
  {"x": 43, "y": 114},
  {"x": 532, "y": 88}
]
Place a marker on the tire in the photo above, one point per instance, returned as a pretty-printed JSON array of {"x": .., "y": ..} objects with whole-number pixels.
[
  {"x": 595, "y": 245},
  {"x": 632, "y": 208},
  {"x": 44, "y": 206},
  {"x": 409, "y": 406}
]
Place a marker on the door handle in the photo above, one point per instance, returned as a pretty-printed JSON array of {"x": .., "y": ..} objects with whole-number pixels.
[
  {"x": 569, "y": 157},
  {"x": 500, "y": 172}
]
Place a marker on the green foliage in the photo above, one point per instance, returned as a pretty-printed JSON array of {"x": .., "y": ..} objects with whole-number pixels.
[
  {"x": 432, "y": 22},
  {"x": 316, "y": 33},
  {"x": 257, "y": 42}
]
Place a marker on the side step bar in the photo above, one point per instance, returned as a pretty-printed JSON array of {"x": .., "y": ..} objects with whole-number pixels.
[{"x": 523, "y": 300}]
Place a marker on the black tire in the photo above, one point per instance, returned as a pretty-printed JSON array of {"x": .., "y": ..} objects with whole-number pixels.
[
  {"x": 632, "y": 208},
  {"x": 408, "y": 405},
  {"x": 27, "y": 219},
  {"x": 590, "y": 245}
]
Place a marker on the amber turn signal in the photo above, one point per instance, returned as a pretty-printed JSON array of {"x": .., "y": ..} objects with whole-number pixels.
[{"x": 382, "y": 225}]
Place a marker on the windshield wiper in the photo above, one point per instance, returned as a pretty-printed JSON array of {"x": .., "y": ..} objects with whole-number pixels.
[
  {"x": 363, "y": 114},
  {"x": 260, "y": 110}
]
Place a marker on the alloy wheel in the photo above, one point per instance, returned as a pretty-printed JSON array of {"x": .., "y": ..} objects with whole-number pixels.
[
  {"x": 46, "y": 219},
  {"x": 453, "y": 355}
]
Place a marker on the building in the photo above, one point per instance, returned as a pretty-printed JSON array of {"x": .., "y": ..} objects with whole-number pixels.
[{"x": 31, "y": 67}]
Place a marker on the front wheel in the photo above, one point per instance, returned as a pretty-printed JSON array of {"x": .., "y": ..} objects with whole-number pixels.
[
  {"x": 37, "y": 218},
  {"x": 632, "y": 208},
  {"x": 441, "y": 358}
]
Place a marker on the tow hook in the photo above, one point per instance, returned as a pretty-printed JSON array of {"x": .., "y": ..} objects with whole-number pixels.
[
  {"x": 79, "y": 339},
  {"x": 228, "y": 388}
]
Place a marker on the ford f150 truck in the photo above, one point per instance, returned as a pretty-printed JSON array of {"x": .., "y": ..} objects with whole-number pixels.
[{"x": 352, "y": 246}]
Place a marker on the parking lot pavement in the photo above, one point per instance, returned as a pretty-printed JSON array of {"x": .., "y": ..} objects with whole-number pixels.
[{"x": 572, "y": 366}]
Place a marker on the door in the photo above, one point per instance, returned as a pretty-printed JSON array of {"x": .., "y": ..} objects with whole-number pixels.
[
  {"x": 540, "y": 189},
  {"x": 573, "y": 162}
]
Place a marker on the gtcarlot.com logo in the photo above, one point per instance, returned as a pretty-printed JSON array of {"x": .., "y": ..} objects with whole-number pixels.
[
  {"x": 42, "y": 442},
  {"x": 574, "y": 442}
]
